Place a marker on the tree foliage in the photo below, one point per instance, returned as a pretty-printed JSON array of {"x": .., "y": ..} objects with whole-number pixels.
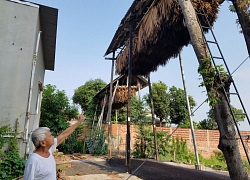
[
  {"x": 84, "y": 95},
  {"x": 121, "y": 114},
  {"x": 170, "y": 105},
  {"x": 160, "y": 100},
  {"x": 138, "y": 110},
  {"x": 178, "y": 106},
  {"x": 210, "y": 122},
  {"x": 56, "y": 109}
]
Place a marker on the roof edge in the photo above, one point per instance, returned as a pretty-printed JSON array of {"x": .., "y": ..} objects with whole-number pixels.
[{"x": 25, "y": 3}]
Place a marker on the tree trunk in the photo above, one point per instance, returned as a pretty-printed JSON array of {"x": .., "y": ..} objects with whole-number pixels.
[
  {"x": 244, "y": 20},
  {"x": 228, "y": 143}
]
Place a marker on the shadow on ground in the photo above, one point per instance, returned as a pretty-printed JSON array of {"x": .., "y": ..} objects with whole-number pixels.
[{"x": 151, "y": 169}]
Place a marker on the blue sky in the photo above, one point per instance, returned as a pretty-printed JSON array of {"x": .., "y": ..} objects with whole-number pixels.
[{"x": 86, "y": 28}]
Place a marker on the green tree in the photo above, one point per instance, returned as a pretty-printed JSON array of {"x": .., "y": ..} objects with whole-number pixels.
[
  {"x": 121, "y": 114},
  {"x": 161, "y": 100},
  {"x": 56, "y": 109},
  {"x": 84, "y": 96},
  {"x": 210, "y": 123},
  {"x": 138, "y": 111},
  {"x": 144, "y": 142},
  {"x": 178, "y": 107}
]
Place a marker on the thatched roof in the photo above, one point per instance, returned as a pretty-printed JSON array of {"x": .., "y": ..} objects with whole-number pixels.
[
  {"x": 121, "y": 93},
  {"x": 160, "y": 33},
  {"x": 135, "y": 13}
]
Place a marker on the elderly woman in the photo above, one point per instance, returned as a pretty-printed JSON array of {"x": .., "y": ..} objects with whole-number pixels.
[{"x": 41, "y": 164}]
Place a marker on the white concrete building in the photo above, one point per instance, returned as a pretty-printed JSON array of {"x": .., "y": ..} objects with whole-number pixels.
[{"x": 27, "y": 49}]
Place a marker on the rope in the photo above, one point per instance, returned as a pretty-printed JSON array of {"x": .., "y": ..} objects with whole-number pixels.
[
  {"x": 199, "y": 106},
  {"x": 240, "y": 65}
]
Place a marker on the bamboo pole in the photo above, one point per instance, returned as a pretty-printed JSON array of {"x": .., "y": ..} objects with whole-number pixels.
[
  {"x": 190, "y": 116},
  {"x": 128, "y": 160},
  {"x": 153, "y": 119},
  {"x": 110, "y": 107}
]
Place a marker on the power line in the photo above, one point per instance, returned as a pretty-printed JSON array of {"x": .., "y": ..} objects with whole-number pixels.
[
  {"x": 240, "y": 65},
  {"x": 199, "y": 106},
  {"x": 220, "y": 86}
]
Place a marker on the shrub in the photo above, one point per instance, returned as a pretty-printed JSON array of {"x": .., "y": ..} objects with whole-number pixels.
[
  {"x": 168, "y": 150},
  {"x": 216, "y": 162},
  {"x": 74, "y": 143},
  {"x": 11, "y": 164}
]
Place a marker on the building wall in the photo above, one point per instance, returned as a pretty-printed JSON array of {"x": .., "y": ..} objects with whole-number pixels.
[
  {"x": 19, "y": 28},
  {"x": 207, "y": 140}
]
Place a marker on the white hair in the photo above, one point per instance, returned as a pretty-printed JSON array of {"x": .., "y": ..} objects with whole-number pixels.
[{"x": 38, "y": 135}]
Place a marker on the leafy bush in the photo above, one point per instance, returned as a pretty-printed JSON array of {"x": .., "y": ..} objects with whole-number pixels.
[
  {"x": 180, "y": 152},
  {"x": 168, "y": 150},
  {"x": 216, "y": 162},
  {"x": 174, "y": 150},
  {"x": 98, "y": 143},
  {"x": 95, "y": 143},
  {"x": 143, "y": 140},
  {"x": 11, "y": 164},
  {"x": 246, "y": 164}
]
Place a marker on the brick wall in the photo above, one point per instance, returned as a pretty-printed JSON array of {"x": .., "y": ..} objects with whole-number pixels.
[{"x": 206, "y": 140}]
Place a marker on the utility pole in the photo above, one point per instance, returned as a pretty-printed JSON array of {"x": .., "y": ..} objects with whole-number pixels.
[
  {"x": 153, "y": 118},
  {"x": 110, "y": 105},
  {"x": 128, "y": 160},
  {"x": 197, "y": 166}
]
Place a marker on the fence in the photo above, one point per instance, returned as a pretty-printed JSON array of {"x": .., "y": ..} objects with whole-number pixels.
[{"x": 207, "y": 140}]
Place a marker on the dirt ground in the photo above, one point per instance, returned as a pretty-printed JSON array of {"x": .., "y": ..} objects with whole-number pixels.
[{"x": 81, "y": 167}]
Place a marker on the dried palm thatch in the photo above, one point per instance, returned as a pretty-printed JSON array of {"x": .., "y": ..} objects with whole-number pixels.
[
  {"x": 121, "y": 96},
  {"x": 161, "y": 36}
]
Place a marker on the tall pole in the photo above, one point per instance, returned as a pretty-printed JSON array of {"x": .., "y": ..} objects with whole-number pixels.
[
  {"x": 153, "y": 118},
  {"x": 93, "y": 123},
  {"x": 117, "y": 132},
  {"x": 128, "y": 160},
  {"x": 197, "y": 166},
  {"x": 110, "y": 106}
]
